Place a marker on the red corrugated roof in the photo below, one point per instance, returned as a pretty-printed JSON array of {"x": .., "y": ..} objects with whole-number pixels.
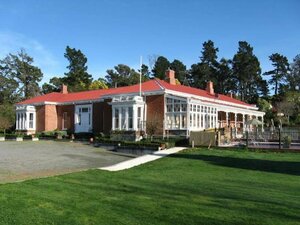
[{"x": 148, "y": 86}]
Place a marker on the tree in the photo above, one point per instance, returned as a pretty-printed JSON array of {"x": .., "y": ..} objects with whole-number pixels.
[
  {"x": 19, "y": 67},
  {"x": 265, "y": 106},
  {"x": 246, "y": 69},
  {"x": 293, "y": 78},
  {"x": 54, "y": 85},
  {"x": 98, "y": 84},
  {"x": 77, "y": 79},
  {"x": 226, "y": 81},
  {"x": 8, "y": 87},
  {"x": 180, "y": 71},
  {"x": 123, "y": 75},
  {"x": 160, "y": 67},
  {"x": 7, "y": 116},
  {"x": 206, "y": 69},
  {"x": 280, "y": 72}
]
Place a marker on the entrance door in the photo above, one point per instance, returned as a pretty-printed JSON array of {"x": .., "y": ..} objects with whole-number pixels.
[{"x": 83, "y": 118}]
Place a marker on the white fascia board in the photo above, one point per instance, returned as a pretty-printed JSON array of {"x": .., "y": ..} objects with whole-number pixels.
[{"x": 208, "y": 99}]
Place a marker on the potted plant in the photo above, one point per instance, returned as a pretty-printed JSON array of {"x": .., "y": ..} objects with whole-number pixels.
[
  {"x": 19, "y": 137},
  {"x": 34, "y": 137},
  {"x": 287, "y": 140},
  {"x": 2, "y": 137}
]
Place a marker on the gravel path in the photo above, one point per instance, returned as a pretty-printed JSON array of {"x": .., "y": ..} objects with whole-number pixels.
[{"x": 27, "y": 159}]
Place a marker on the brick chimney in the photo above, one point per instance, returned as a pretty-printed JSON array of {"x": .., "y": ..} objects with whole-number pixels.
[
  {"x": 170, "y": 76},
  {"x": 210, "y": 88},
  {"x": 64, "y": 89}
]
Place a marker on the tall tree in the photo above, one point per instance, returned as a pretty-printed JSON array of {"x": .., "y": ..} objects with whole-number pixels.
[
  {"x": 54, "y": 85},
  {"x": 8, "y": 87},
  {"x": 280, "y": 71},
  {"x": 77, "y": 78},
  {"x": 246, "y": 69},
  {"x": 160, "y": 67},
  {"x": 293, "y": 78},
  {"x": 98, "y": 84},
  {"x": 180, "y": 71},
  {"x": 123, "y": 75},
  {"x": 19, "y": 67},
  {"x": 226, "y": 81},
  {"x": 206, "y": 69}
]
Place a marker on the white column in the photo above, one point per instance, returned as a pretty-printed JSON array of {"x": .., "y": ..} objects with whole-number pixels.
[
  {"x": 244, "y": 124},
  {"x": 235, "y": 127},
  {"x": 227, "y": 122},
  {"x": 27, "y": 121},
  {"x": 250, "y": 118},
  {"x": 262, "y": 126},
  {"x": 235, "y": 119}
]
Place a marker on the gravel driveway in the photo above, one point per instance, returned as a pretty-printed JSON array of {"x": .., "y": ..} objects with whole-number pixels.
[{"x": 26, "y": 160}]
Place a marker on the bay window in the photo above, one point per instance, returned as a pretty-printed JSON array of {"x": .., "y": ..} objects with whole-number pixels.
[{"x": 128, "y": 113}]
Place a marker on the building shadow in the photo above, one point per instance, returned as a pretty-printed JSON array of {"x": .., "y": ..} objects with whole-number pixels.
[{"x": 284, "y": 167}]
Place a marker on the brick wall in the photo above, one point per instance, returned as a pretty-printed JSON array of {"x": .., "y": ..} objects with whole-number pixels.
[
  {"x": 40, "y": 118},
  {"x": 50, "y": 117},
  {"x": 156, "y": 110},
  {"x": 69, "y": 123}
]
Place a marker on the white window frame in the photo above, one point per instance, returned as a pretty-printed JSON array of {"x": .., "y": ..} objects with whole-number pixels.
[
  {"x": 123, "y": 104},
  {"x": 23, "y": 122}
]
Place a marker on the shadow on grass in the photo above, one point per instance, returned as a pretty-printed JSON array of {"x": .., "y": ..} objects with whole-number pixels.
[{"x": 291, "y": 168}]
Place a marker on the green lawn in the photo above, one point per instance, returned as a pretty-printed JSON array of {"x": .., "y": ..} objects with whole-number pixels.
[{"x": 193, "y": 187}]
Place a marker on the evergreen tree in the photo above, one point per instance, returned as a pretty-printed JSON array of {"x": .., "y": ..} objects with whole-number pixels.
[
  {"x": 206, "y": 69},
  {"x": 77, "y": 78},
  {"x": 180, "y": 71},
  {"x": 54, "y": 85},
  {"x": 226, "y": 81},
  {"x": 293, "y": 78},
  {"x": 247, "y": 71},
  {"x": 123, "y": 75},
  {"x": 280, "y": 72},
  {"x": 18, "y": 72},
  {"x": 160, "y": 67}
]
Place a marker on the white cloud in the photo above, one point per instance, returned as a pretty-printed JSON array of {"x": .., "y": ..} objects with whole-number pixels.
[{"x": 11, "y": 42}]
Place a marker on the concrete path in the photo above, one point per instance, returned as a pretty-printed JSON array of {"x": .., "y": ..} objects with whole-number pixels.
[{"x": 141, "y": 160}]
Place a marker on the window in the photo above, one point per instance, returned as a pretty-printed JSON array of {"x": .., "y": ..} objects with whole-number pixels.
[
  {"x": 176, "y": 113},
  {"x": 65, "y": 121},
  {"x": 130, "y": 117},
  {"x": 30, "y": 120},
  {"x": 123, "y": 118},
  {"x": 116, "y": 117},
  {"x": 139, "y": 116},
  {"x": 85, "y": 110}
]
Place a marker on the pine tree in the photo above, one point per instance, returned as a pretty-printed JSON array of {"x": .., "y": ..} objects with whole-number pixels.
[
  {"x": 77, "y": 78},
  {"x": 280, "y": 72}
]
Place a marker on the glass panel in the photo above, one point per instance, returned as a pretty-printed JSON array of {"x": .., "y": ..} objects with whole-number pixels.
[
  {"x": 130, "y": 118},
  {"x": 183, "y": 121},
  {"x": 84, "y": 110},
  {"x": 176, "y": 106},
  {"x": 116, "y": 117},
  {"x": 183, "y": 107},
  {"x": 30, "y": 120},
  {"x": 123, "y": 118}
]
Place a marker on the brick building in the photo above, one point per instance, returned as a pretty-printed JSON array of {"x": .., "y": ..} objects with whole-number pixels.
[{"x": 176, "y": 109}]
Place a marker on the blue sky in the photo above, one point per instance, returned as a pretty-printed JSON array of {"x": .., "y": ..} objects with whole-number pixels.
[{"x": 110, "y": 32}]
